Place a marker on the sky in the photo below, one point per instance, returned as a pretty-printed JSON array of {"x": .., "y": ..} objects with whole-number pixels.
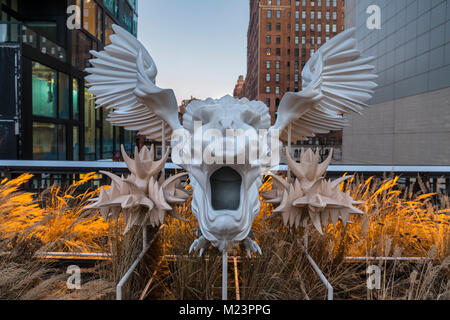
[{"x": 199, "y": 46}]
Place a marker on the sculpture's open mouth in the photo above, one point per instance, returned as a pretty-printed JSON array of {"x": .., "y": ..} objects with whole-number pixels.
[{"x": 226, "y": 189}]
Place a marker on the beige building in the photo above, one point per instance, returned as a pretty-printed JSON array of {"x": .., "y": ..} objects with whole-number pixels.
[{"x": 408, "y": 122}]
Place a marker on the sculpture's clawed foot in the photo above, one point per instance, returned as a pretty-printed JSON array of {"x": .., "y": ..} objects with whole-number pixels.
[
  {"x": 251, "y": 247},
  {"x": 200, "y": 244}
]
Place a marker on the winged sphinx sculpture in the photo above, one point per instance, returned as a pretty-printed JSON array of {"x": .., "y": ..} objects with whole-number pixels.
[{"x": 337, "y": 80}]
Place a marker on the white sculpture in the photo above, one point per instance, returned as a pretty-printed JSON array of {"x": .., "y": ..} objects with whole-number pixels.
[
  {"x": 311, "y": 198},
  {"x": 225, "y": 202}
]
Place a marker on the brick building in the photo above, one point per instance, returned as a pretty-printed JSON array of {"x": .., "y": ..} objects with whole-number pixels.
[
  {"x": 239, "y": 88},
  {"x": 282, "y": 36}
]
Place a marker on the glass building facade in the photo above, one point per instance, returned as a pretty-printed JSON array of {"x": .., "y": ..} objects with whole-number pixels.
[{"x": 55, "y": 113}]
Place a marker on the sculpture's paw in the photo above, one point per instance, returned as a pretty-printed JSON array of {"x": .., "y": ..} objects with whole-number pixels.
[
  {"x": 251, "y": 247},
  {"x": 200, "y": 244}
]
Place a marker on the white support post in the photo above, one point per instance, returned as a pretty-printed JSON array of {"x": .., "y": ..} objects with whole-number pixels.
[
  {"x": 289, "y": 150},
  {"x": 163, "y": 143},
  {"x": 225, "y": 276},
  {"x": 145, "y": 248}
]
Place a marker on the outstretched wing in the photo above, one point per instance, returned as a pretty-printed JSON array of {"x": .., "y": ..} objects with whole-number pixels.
[
  {"x": 337, "y": 80},
  {"x": 123, "y": 79}
]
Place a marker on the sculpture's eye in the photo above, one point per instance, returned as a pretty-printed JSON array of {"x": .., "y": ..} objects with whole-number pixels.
[{"x": 250, "y": 117}]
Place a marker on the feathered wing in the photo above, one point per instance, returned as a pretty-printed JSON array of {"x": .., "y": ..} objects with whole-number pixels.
[
  {"x": 123, "y": 79},
  {"x": 336, "y": 80}
]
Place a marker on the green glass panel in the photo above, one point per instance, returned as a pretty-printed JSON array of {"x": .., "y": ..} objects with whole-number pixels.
[{"x": 44, "y": 91}]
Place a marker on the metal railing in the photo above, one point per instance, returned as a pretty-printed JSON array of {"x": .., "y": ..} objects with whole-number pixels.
[{"x": 63, "y": 173}]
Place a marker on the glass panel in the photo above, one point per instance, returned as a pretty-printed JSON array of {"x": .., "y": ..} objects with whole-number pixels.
[
  {"x": 89, "y": 129},
  {"x": 108, "y": 29},
  {"x": 29, "y": 37},
  {"x": 91, "y": 21},
  {"x": 129, "y": 141},
  {"x": 61, "y": 142},
  {"x": 98, "y": 137},
  {"x": 49, "y": 141},
  {"x": 50, "y": 48},
  {"x": 44, "y": 87},
  {"x": 111, "y": 5},
  {"x": 76, "y": 144},
  {"x": 75, "y": 102},
  {"x": 117, "y": 143},
  {"x": 127, "y": 16},
  {"x": 81, "y": 47},
  {"x": 135, "y": 25},
  {"x": 9, "y": 32},
  {"x": 64, "y": 97},
  {"x": 107, "y": 137},
  {"x": 44, "y": 28}
]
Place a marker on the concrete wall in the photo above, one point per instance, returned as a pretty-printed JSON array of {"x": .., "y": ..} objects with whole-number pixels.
[
  {"x": 409, "y": 118},
  {"x": 409, "y": 131}
]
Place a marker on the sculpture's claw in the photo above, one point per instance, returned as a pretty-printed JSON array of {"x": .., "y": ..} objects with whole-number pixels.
[
  {"x": 251, "y": 247},
  {"x": 199, "y": 245}
]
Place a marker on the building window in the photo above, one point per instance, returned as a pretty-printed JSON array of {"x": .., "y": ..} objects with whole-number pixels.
[
  {"x": 63, "y": 96},
  {"x": 126, "y": 16},
  {"x": 278, "y": 26},
  {"x": 49, "y": 141},
  {"x": 268, "y": 102},
  {"x": 268, "y": 39},
  {"x": 76, "y": 144},
  {"x": 267, "y": 90},
  {"x": 277, "y": 77},
  {"x": 108, "y": 138},
  {"x": 92, "y": 18},
  {"x": 277, "y": 65},
  {"x": 277, "y": 91},
  {"x": 44, "y": 91},
  {"x": 278, "y": 40},
  {"x": 278, "y": 52},
  {"x": 269, "y": 26},
  {"x": 268, "y": 52},
  {"x": 75, "y": 101},
  {"x": 111, "y": 5},
  {"x": 89, "y": 127},
  {"x": 269, "y": 14},
  {"x": 268, "y": 64},
  {"x": 278, "y": 14},
  {"x": 81, "y": 46},
  {"x": 268, "y": 77}
]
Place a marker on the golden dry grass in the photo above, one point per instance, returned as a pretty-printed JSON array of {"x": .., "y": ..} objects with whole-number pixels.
[{"x": 398, "y": 223}]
